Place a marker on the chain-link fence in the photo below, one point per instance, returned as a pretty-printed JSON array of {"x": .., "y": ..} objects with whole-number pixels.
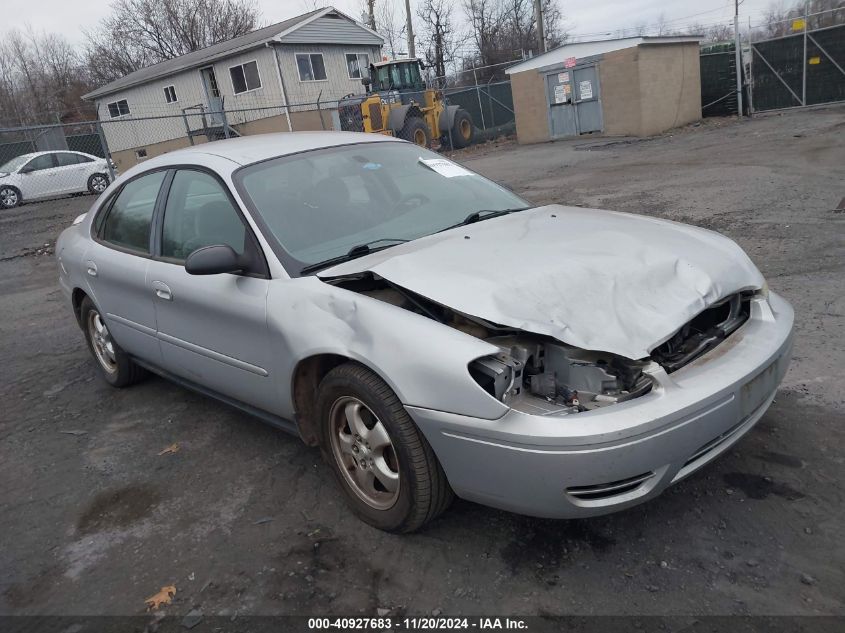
[
  {"x": 795, "y": 62},
  {"x": 48, "y": 161},
  {"x": 801, "y": 69},
  {"x": 55, "y": 160}
]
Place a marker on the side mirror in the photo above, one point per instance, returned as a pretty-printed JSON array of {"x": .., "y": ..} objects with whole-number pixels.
[{"x": 213, "y": 260}]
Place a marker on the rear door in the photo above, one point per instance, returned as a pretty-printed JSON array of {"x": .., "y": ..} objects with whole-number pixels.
[
  {"x": 212, "y": 328},
  {"x": 71, "y": 172},
  {"x": 117, "y": 262}
]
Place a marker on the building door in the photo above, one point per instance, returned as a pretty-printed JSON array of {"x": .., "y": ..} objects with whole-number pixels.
[
  {"x": 562, "y": 121},
  {"x": 212, "y": 94},
  {"x": 587, "y": 99}
]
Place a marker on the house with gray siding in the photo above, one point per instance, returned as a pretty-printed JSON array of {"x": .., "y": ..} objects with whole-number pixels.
[{"x": 283, "y": 77}]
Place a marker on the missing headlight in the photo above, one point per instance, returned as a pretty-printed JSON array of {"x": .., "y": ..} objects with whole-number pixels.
[{"x": 544, "y": 376}]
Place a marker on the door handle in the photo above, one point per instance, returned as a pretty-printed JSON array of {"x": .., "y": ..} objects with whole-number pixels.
[
  {"x": 91, "y": 268},
  {"x": 162, "y": 291}
]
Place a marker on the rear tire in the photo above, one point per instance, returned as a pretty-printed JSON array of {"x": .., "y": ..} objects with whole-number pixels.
[
  {"x": 416, "y": 131},
  {"x": 463, "y": 130},
  {"x": 10, "y": 197},
  {"x": 387, "y": 448},
  {"x": 97, "y": 183},
  {"x": 115, "y": 365}
]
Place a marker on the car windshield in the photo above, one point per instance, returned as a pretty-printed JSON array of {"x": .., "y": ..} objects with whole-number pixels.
[
  {"x": 15, "y": 163},
  {"x": 320, "y": 204}
]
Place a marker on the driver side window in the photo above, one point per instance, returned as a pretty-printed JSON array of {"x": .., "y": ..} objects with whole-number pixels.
[{"x": 199, "y": 213}]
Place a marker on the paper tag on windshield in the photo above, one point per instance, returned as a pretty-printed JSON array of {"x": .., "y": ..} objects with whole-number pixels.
[{"x": 445, "y": 168}]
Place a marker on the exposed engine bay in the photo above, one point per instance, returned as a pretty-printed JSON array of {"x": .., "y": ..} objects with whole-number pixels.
[{"x": 531, "y": 373}]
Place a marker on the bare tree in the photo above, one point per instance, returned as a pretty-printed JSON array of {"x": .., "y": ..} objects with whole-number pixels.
[
  {"x": 661, "y": 27},
  {"x": 504, "y": 30},
  {"x": 438, "y": 34},
  {"x": 138, "y": 33},
  {"x": 390, "y": 27},
  {"x": 41, "y": 79}
]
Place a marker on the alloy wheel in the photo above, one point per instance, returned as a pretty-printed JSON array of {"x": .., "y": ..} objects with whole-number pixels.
[
  {"x": 102, "y": 342},
  {"x": 8, "y": 197},
  {"x": 363, "y": 450},
  {"x": 99, "y": 183}
]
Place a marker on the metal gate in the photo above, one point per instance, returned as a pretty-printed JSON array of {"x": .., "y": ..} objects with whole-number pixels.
[
  {"x": 574, "y": 100},
  {"x": 803, "y": 69}
]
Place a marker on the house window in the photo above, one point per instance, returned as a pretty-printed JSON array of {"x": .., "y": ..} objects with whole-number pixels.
[
  {"x": 245, "y": 77},
  {"x": 357, "y": 64},
  {"x": 311, "y": 66},
  {"x": 141, "y": 154},
  {"x": 170, "y": 94},
  {"x": 118, "y": 108}
]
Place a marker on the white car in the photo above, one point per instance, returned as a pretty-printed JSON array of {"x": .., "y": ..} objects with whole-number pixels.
[{"x": 51, "y": 174}]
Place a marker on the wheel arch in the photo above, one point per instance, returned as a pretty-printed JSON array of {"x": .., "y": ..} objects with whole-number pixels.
[
  {"x": 76, "y": 298},
  {"x": 447, "y": 118},
  {"x": 398, "y": 117},
  {"x": 307, "y": 375}
]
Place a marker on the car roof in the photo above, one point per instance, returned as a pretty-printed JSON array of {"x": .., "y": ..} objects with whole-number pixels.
[
  {"x": 251, "y": 149},
  {"x": 32, "y": 155}
]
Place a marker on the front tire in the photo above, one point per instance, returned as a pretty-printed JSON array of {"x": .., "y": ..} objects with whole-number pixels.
[
  {"x": 115, "y": 365},
  {"x": 462, "y": 129},
  {"x": 97, "y": 183},
  {"x": 389, "y": 473},
  {"x": 10, "y": 197},
  {"x": 416, "y": 131}
]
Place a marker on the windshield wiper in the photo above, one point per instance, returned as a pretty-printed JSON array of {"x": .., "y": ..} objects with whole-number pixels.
[
  {"x": 483, "y": 214},
  {"x": 359, "y": 250}
]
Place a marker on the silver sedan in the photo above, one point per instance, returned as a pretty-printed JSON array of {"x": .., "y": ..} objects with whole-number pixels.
[{"x": 432, "y": 332}]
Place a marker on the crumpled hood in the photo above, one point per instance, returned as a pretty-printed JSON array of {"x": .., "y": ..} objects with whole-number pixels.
[{"x": 598, "y": 280}]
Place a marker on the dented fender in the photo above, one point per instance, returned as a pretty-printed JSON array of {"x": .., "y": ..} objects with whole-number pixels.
[{"x": 430, "y": 372}]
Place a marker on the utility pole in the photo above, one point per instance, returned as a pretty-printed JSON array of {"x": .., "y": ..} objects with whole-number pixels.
[
  {"x": 804, "y": 68},
  {"x": 541, "y": 28},
  {"x": 739, "y": 69},
  {"x": 371, "y": 14},
  {"x": 410, "y": 29}
]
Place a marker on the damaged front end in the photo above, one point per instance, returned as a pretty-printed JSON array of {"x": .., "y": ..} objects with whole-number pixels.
[{"x": 531, "y": 373}]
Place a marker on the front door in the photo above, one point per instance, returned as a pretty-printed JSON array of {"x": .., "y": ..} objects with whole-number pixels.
[
  {"x": 116, "y": 267},
  {"x": 213, "y": 96},
  {"x": 587, "y": 99},
  {"x": 39, "y": 178},
  {"x": 561, "y": 111},
  {"x": 212, "y": 328}
]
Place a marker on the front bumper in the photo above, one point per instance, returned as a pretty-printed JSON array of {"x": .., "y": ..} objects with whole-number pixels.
[{"x": 601, "y": 461}]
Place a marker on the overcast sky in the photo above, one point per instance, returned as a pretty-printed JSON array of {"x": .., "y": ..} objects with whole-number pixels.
[{"x": 589, "y": 17}]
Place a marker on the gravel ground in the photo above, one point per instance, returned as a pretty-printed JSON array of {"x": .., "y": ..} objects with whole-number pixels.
[{"x": 245, "y": 519}]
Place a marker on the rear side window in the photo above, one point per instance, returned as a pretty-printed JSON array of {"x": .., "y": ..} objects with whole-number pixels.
[
  {"x": 128, "y": 221},
  {"x": 65, "y": 158},
  {"x": 199, "y": 213}
]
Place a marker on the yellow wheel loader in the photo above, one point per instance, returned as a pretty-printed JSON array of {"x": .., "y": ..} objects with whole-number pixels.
[{"x": 397, "y": 103}]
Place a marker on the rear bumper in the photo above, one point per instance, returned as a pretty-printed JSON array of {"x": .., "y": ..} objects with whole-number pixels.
[{"x": 606, "y": 460}]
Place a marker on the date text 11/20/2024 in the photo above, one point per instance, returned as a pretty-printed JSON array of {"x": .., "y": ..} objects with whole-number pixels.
[{"x": 416, "y": 623}]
